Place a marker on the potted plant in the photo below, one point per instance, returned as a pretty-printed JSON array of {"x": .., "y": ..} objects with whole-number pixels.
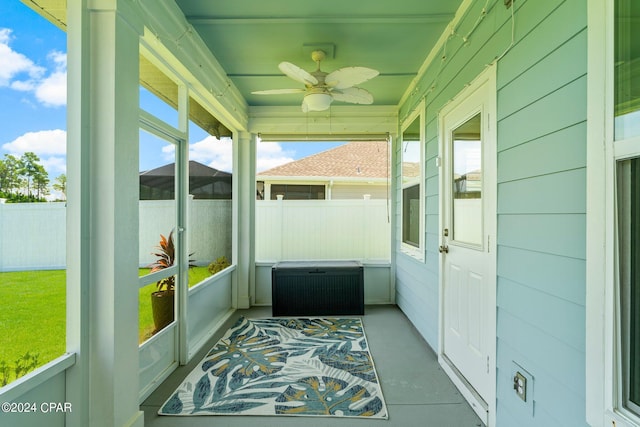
[{"x": 162, "y": 300}]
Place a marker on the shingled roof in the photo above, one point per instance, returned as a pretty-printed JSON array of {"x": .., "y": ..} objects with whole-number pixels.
[{"x": 354, "y": 160}]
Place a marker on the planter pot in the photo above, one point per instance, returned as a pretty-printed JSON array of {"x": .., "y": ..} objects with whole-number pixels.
[{"x": 162, "y": 307}]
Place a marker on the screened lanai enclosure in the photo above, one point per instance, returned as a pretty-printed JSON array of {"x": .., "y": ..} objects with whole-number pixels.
[{"x": 510, "y": 232}]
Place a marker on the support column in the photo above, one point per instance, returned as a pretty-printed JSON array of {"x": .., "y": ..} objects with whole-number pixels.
[
  {"x": 182, "y": 199},
  {"x": 102, "y": 213},
  {"x": 244, "y": 246}
]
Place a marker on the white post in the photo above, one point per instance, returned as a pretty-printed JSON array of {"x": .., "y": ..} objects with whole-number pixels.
[
  {"x": 244, "y": 174},
  {"x": 366, "y": 224},
  {"x": 102, "y": 213},
  {"x": 282, "y": 231},
  {"x": 267, "y": 191},
  {"x": 182, "y": 222}
]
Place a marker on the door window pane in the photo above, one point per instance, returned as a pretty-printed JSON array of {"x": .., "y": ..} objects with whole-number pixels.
[
  {"x": 467, "y": 182},
  {"x": 627, "y": 70}
]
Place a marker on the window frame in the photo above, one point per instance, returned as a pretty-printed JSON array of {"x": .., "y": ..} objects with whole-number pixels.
[
  {"x": 417, "y": 252},
  {"x": 604, "y": 361},
  {"x": 627, "y": 204}
]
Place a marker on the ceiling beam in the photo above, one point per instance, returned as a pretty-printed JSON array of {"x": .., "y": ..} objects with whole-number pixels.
[
  {"x": 339, "y": 119},
  {"x": 373, "y": 19}
]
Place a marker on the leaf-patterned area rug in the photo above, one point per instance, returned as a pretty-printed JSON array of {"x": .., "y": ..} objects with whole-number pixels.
[{"x": 284, "y": 366}]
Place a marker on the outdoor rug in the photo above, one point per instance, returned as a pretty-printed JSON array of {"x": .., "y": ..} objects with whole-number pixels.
[{"x": 282, "y": 366}]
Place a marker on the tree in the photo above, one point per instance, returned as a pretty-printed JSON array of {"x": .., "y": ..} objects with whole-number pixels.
[
  {"x": 41, "y": 182},
  {"x": 19, "y": 176},
  {"x": 11, "y": 179},
  {"x": 31, "y": 168},
  {"x": 3, "y": 177},
  {"x": 61, "y": 184}
]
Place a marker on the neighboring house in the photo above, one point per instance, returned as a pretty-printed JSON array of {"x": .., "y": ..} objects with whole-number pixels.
[
  {"x": 204, "y": 182},
  {"x": 349, "y": 171}
]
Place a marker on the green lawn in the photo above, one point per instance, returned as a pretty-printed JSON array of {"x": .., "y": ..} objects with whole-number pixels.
[{"x": 33, "y": 314}]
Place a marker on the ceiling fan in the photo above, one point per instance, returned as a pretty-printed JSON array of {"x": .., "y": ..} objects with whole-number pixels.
[{"x": 321, "y": 88}]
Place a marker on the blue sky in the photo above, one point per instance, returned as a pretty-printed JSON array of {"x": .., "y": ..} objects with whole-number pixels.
[
  {"x": 33, "y": 103},
  {"x": 32, "y": 90}
]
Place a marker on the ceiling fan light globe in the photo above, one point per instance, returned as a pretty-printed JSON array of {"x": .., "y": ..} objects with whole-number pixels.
[{"x": 318, "y": 101}]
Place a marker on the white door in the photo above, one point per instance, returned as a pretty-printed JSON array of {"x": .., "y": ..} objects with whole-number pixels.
[{"x": 468, "y": 223}]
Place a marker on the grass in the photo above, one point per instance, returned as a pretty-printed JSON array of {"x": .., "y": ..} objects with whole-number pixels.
[{"x": 33, "y": 315}]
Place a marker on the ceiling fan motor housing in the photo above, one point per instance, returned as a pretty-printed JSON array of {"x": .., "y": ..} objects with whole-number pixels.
[{"x": 317, "y": 56}]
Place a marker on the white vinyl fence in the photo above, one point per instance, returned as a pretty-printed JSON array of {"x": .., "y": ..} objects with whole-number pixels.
[
  {"x": 208, "y": 233},
  {"x": 322, "y": 230},
  {"x": 33, "y": 235}
]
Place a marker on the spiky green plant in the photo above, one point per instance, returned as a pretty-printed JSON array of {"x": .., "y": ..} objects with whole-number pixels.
[{"x": 166, "y": 257}]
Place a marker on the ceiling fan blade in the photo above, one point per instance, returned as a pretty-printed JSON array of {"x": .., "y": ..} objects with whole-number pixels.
[
  {"x": 297, "y": 74},
  {"x": 277, "y": 91},
  {"x": 354, "y": 95},
  {"x": 349, "y": 76}
]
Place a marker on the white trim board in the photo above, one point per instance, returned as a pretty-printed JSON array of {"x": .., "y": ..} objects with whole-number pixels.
[{"x": 602, "y": 357}]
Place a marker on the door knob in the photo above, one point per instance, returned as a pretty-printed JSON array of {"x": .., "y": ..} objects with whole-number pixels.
[{"x": 444, "y": 249}]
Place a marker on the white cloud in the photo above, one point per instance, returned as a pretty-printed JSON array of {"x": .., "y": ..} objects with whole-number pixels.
[
  {"x": 43, "y": 143},
  {"x": 20, "y": 73},
  {"x": 52, "y": 90},
  {"x": 215, "y": 153},
  {"x": 270, "y": 155},
  {"x": 14, "y": 64},
  {"x": 23, "y": 85},
  {"x": 169, "y": 153},
  {"x": 218, "y": 154},
  {"x": 58, "y": 58},
  {"x": 209, "y": 151},
  {"x": 54, "y": 166}
]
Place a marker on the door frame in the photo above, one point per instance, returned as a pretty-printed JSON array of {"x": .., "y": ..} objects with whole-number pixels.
[{"x": 486, "y": 81}]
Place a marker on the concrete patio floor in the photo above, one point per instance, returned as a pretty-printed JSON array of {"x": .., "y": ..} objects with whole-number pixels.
[{"x": 416, "y": 390}]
